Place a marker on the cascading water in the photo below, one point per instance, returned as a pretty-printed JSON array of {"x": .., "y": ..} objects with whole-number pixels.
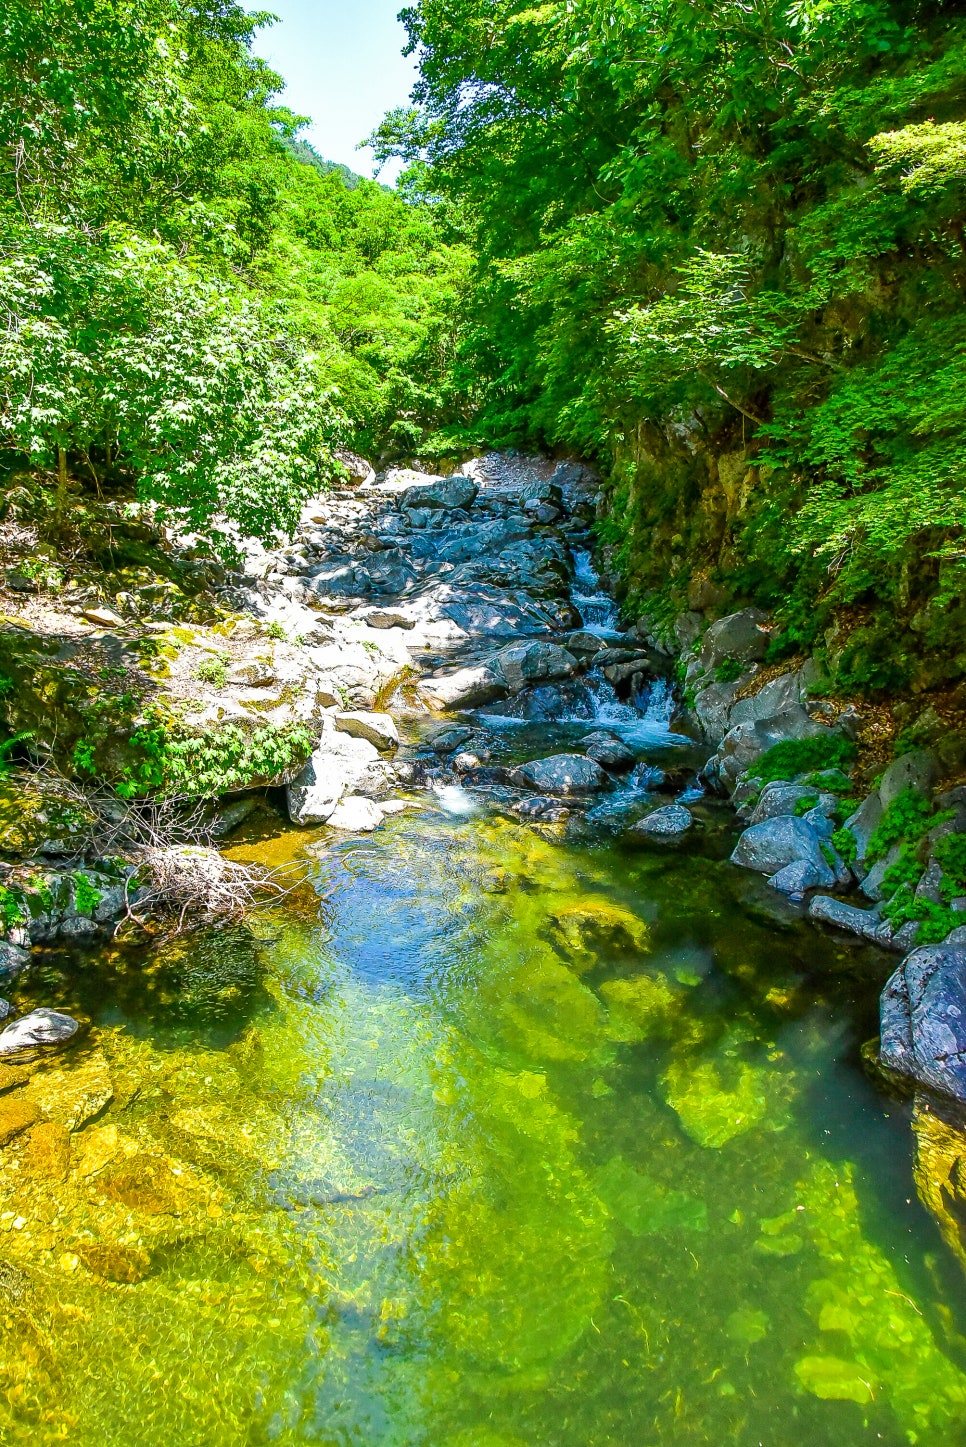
[{"x": 597, "y": 609}]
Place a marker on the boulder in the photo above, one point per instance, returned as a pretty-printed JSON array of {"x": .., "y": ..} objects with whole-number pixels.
[
  {"x": 916, "y": 771},
  {"x": 744, "y": 744},
  {"x": 740, "y": 636},
  {"x": 769, "y": 846},
  {"x": 778, "y": 798},
  {"x": 103, "y": 617},
  {"x": 672, "y": 821},
  {"x": 525, "y": 663},
  {"x": 360, "y": 472},
  {"x": 923, "y": 1019},
  {"x": 609, "y": 751},
  {"x": 466, "y": 688},
  {"x": 40, "y": 1027},
  {"x": 774, "y": 697},
  {"x": 379, "y": 728},
  {"x": 441, "y": 492},
  {"x": 340, "y": 765},
  {"x": 561, "y": 774},
  {"x": 13, "y": 959},
  {"x": 864, "y": 822}
]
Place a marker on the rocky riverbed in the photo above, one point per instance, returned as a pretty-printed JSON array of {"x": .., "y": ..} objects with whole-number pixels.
[{"x": 437, "y": 647}]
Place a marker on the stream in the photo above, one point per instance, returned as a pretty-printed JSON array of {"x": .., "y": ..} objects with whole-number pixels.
[{"x": 495, "y": 1136}]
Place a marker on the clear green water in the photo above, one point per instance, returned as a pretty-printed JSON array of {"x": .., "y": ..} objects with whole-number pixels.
[{"x": 518, "y": 1144}]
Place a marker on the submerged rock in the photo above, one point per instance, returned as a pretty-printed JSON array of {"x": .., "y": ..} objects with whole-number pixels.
[
  {"x": 40, "y": 1027},
  {"x": 561, "y": 774},
  {"x": 16, "y": 1116}
]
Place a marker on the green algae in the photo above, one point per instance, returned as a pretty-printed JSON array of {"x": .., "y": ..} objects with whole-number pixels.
[{"x": 444, "y": 1167}]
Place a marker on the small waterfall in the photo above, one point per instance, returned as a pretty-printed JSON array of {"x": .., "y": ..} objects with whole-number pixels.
[{"x": 597, "y": 610}]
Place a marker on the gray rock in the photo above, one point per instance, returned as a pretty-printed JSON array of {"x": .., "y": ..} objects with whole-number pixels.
[
  {"x": 525, "y": 663},
  {"x": 6, "y": 1009},
  {"x": 862, "y": 922},
  {"x": 466, "y": 688},
  {"x": 609, "y": 751},
  {"x": 778, "y": 798},
  {"x": 923, "y": 1019},
  {"x": 443, "y": 492},
  {"x": 739, "y": 636},
  {"x": 672, "y": 821},
  {"x": 819, "y": 820},
  {"x": 769, "y": 846},
  {"x": 775, "y": 697},
  {"x": 915, "y": 771},
  {"x": 743, "y": 745},
  {"x": 583, "y": 641},
  {"x": 450, "y": 739},
  {"x": 797, "y": 878},
  {"x": 379, "y": 728},
  {"x": 864, "y": 822},
  {"x": 561, "y": 774},
  {"x": 687, "y": 629},
  {"x": 712, "y": 709},
  {"x": 13, "y": 959},
  {"x": 872, "y": 882},
  {"x": 40, "y": 1027}
]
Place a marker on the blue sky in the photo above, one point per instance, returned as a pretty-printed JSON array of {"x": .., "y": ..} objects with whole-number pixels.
[{"x": 343, "y": 64}]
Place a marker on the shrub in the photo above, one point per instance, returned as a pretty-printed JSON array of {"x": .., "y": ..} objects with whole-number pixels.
[
  {"x": 800, "y": 756},
  {"x": 728, "y": 671},
  {"x": 844, "y": 842},
  {"x": 906, "y": 820},
  {"x": 950, "y": 855}
]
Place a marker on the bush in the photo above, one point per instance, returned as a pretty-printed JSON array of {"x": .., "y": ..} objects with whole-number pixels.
[
  {"x": 800, "y": 756},
  {"x": 907, "y": 819}
]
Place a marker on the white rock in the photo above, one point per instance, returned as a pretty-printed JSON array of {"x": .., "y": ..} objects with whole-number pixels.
[
  {"x": 338, "y": 765},
  {"x": 378, "y": 728},
  {"x": 40, "y": 1027},
  {"x": 356, "y": 815}
]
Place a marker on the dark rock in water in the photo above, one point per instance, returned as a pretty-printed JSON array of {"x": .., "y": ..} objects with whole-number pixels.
[
  {"x": 40, "y": 1027},
  {"x": 561, "y": 774},
  {"x": 550, "y": 811},
  {"x": 524, "y": 663},
  {"x": 609, "y": 751},
  {"x": 451, "y": 739},
  {"x": 583, "y": 641},
  {"x": 796, "y": 879},
  {"x": 485, "y": 776},
  {"x": 923, "y": 1019},
  {"x": 410, "y": 771},
  {"x": 549, "y": 703},
  {"x": 671, "y": 821}
]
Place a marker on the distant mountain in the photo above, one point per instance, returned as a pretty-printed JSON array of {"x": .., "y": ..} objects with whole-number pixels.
[{"x": 309, "y": 156}]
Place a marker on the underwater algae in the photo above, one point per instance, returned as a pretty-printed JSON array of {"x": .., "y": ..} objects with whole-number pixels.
[{"x": 463, "y": 1166}]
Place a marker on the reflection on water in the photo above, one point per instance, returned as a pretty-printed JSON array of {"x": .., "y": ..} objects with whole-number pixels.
[{"x": 522, "y": 1143}]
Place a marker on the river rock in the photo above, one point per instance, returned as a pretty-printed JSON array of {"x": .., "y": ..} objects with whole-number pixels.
[
  {"x": 442, "y": 492},
  {"x": 772, "y": 698},
  {"x": 848, "y": 917},
  {"x": 609, "y": 751},
  {"x": 40, "y": 1027},
  {"x": 778, "y": 798},
  {"x": 797, "y": 878},
  {"x": 561, "y": 774},
  {"x": 379, "y": 728},
  {"x": 339, "y": 765},
  {"x": 744, "y": 744},
  {"x": 466, "y": 688},
  {"x": 388, "y": 618},
  {"x": 771, "y": 845},
  {"x": 525, "y": 663},
  {"x": 16, "y": 1116},
  {"x": 670, "y": 822},
  {"x": 923, "y": 1019},
  {"x": 355, "y": 815},
  {"x": 13, "y": 959}
]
